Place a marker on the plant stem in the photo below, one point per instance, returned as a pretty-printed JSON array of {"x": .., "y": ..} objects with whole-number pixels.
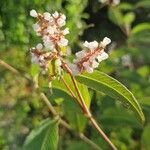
[
  {"x": 86, "y": 110},
  {"x": 71, "y": 92},
  {"x": 66, "y": 125},
  {"x": 84, "y": 138},
  {"x": 12, "y": 69}
]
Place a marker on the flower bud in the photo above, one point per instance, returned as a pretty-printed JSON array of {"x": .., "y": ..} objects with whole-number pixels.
[{"x": 33, "y": 13}]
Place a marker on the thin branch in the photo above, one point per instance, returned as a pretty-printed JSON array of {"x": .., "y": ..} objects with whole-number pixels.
[
  {"x": 66, "y": 125},
  {"x": 70, "y": 90},
  {"x": 7, "y": 66},
  {"x": 12, "y": 69},
  {"x": 86, "y": 110},
  {"x": 46, "y": 101},
  {"x": 84, "y": 138},
  {"x": 67, "y": 86}
]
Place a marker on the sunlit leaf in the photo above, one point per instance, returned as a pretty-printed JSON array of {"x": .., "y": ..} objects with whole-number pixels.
[{"x": 101, "y": 82}]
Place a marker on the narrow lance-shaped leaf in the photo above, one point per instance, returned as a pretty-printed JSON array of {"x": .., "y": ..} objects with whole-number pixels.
[
  {"x": 44, "y": 137},
  {"x": 101, "y": 82}
]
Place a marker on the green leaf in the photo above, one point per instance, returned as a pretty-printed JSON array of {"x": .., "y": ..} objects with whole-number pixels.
[
  {"x": 115, "y": 16},
  {"x": 44, "y": 137},
  {"x": 101, "y": 82},
  {"x": 125, "y": 6},
  {"x": 145, "y": 138},
  {"x": 140, "y": 27},
  {"x": 114, "y": 118},
  {"x": 129, "y": 18}
]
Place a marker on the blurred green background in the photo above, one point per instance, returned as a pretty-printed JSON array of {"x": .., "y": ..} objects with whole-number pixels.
[{"x": 128, "y": 26}]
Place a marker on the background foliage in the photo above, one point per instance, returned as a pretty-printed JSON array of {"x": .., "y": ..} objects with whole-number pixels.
[{"x": 21, "y": 108}]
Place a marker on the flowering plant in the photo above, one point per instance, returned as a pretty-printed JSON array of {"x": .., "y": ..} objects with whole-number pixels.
[{"x": 51, "y": 57}]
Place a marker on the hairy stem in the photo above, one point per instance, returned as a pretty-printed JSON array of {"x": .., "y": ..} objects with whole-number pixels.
[{"x": 86, "y": 110}]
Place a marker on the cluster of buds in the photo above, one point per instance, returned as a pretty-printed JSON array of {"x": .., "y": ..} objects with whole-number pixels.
[
  {"x": 89, "y": 58},
  {"x": 110, "y": 2},
  {"x": 50, "y": 28}
]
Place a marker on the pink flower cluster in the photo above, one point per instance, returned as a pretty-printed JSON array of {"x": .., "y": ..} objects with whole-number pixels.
[
  {"x": 50, "y": 27},
  {"x": 89, "y": 58}
]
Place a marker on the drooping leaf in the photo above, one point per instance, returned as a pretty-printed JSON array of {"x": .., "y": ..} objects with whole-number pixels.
[
  {"x": 44, "y": 137},
  {"x": 101, "y": 82}
]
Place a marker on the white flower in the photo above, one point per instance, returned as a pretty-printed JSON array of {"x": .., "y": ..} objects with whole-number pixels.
[
  {"x": 36, "y": 27},
  {"x": 116, "y": 2},
  {"x": 33, "y": 13},
  {"x": 88, "y": 60},
  {"x": 89, "y": 69},
  {"x": 39, "y": 46},
  {"x": 86, "y": 44},
  {"x": 91, "y": 45},
  {"x": 95, "y": 64},
  {"x": 50, "y": 30},
  {"x": 86, "y": 64},
  {"x": 63, "y": 42},
  {"x": 74, "y": 69},
  {"x": 55, "y": 14},
  {"x": 103, "y": 1},
  {"x": 80, "y": 54},
  {"x": 58, "y": 62},
  {"x": 63, "y": 16},
  {"x": 47, "y": 16},
  {"x": 34, "y": 59},
  {"x": 105, "y": 42},
  {"x": 102, "y": 56},
  {"x": 61, "y": 22},
  {"x": 66, "y": 31},
  {"x": 49, "y": 45}
]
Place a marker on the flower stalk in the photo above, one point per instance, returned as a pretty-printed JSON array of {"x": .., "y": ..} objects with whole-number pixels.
[
  {"x": 49, "y": 56},
  {"x": 86, "y": 111}
]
